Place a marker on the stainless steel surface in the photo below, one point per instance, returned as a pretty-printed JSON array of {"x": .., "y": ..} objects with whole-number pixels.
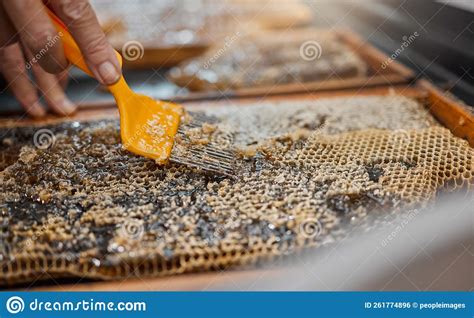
[{"x": 432, "y": 250}]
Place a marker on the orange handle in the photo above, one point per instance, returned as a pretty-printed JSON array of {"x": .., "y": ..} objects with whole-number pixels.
[{"x": 71, "y": 50}]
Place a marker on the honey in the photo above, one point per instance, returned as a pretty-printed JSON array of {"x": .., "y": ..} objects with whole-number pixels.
[{"x": 308, "y": 172}]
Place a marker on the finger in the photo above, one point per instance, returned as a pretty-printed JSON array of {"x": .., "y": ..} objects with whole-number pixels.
[
  {"x": 63, "y": 78},
  {"x": 37, "y": 33},
  {"x": 82, "y": 22},
  {"x": 15, "y": 73},
  {"x": 52, "y": 91},
  {"x": 7, "y": 34}
]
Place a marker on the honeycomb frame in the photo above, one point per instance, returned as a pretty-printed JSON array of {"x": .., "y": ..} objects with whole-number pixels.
[{"x": 326, "y": 136}]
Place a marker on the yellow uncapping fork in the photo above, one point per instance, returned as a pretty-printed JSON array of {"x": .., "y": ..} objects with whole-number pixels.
[{"x": 148, "y": 127}]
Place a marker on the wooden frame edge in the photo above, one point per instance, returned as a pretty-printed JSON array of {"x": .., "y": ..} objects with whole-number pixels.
[
  {"x": 449, "y": 112},
  {"x": 397, "y": 74}
]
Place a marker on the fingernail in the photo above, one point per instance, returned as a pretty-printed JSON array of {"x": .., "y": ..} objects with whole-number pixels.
[
  {"x": 108, "y": 73},
  {"x": 36, "y": 110},
  {"x": 68, "y": 107}
]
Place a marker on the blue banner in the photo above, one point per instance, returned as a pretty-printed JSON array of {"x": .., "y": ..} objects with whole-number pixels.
[{"x": 236, "y": 304}]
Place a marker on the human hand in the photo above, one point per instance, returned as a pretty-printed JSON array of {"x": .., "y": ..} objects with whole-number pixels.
[{"x": 28, "y": 40}]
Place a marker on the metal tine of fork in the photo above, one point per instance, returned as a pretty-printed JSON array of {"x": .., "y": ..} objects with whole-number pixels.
[
  {"x": 206, "y": 163},
  {"x": 212, "y": 149},
  {"x": 211, "y": 167},
  {"x": 219, "y": 153},
  {"x": 210, "y": 157},
  {"x": 205, "y": 156},
  {"x": 213, "y": 158},
  {"x": 205, "y": 166}
]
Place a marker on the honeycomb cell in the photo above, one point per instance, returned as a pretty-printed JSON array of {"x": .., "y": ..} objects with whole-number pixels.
[{"x": 104, "y": 213}]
